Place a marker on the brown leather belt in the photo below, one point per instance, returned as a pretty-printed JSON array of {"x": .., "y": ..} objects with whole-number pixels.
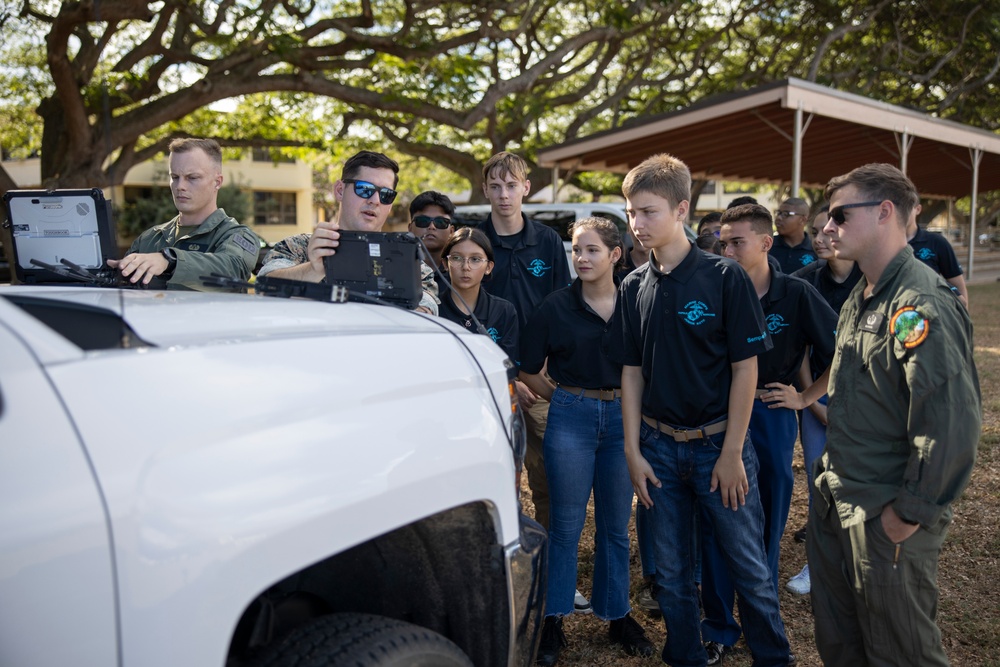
[
  {"x": 687, "y": 434},
  {"x": 602, "y": 394},
  {"x": 760, "y": 392}
]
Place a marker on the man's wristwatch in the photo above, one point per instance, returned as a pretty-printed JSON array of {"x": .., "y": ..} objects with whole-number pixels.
[{"x": 171, "y": 256}]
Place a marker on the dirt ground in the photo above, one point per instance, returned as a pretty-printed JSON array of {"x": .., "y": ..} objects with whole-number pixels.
[{"x": 969, "y": 575}]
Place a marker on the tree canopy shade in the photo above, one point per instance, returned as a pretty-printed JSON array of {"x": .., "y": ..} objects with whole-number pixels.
[
  {"x": 114, "y": 80},
  {"x": 451, "y": 81}
]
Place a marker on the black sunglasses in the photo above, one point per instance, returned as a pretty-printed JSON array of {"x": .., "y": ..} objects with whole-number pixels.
[
  {"x": 424, "y": 221},
  {"x": 837, "y": 213},
  {"x": 365, "y": 190}
]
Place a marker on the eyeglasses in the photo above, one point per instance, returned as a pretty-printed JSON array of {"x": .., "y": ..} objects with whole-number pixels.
[
  {"x": 786, "y": 214},
  {"x": 365, "y": 190},
  {"x": 425, "y": 221},
  {"x": 837, "y": 213},
  {"x": 473, "y": 262}
]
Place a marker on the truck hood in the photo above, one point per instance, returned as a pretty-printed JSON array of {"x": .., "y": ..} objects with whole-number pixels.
[{"x": 180, "y": 318}]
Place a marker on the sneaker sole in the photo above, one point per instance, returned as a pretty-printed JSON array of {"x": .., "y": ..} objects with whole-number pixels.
[{"x": 652, "y": 611}]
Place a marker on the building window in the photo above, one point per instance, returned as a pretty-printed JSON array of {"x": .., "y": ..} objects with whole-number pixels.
[
  {"x": 274, "y": 208},
  {"x": 267, "y": 155}
]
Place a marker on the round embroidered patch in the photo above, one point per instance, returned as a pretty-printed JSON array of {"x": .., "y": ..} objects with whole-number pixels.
[{"x": 909, "y": 327}]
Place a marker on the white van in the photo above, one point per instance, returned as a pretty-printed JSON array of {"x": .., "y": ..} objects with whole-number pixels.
[{"x": 560, "y": 217}]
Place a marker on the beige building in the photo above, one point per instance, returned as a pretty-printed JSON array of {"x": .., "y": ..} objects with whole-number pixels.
[{"x": 281, "y": 192}]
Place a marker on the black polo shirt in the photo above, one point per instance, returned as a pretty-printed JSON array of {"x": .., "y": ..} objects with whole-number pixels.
[
  {"x": 575, "y": 340},
  {"x": 495, "y": 314},
  {"x": 792, "y": 258},
  {"x": 796, "y": 316},
  {"x": 934, "y": 250},
  {"x": 527, "y": 266},
  {"x": 685, "y": 329},
  {"x": 628, "y": 266},
  {"x": 821, "y": 277}
]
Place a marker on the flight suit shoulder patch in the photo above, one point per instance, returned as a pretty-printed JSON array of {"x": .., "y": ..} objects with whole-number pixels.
[{"x": 909, "y": 327}]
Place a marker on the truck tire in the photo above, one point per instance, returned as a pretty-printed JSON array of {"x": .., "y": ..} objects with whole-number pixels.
[{"x": 362, "y": 640}]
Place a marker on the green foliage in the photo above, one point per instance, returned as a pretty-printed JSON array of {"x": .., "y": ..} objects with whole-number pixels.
[
  {"x": 133, "y": 218},
  {"x": 449, "y": 82},
  {"x": 599, "y": 183}
]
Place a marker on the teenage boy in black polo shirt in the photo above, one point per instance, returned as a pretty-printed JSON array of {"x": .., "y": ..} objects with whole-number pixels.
[
  {"x": 797, "y": 317},
  {"x": 935, "y": 251},
  {"x": 691, "y": 332},
  {"x": 530, "y": 263},
  {"x": 791, "y": 246}
]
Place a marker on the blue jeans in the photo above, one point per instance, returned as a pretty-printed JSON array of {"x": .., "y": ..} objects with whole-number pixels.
[
  {"x": 813, "y": 443},
  {"x": 685, "y": 473},
  {"x": 646, "y": 558},
  {"x": 584, "y": 450},
  {"x": 773, "y": 433}
]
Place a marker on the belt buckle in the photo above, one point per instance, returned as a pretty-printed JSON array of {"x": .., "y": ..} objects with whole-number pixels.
[
  {"x": 687, "y": 435},
  {"x": 606, "y": 394}
]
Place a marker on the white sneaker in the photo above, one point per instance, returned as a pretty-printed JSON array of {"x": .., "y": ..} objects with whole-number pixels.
[
  {"x": 800, "y": 584},
  {"x": 581, "y": 604}
]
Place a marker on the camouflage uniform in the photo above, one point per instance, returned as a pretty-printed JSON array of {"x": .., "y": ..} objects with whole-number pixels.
[
  {"x": 293, "y": 251},
  {"x": 905, "y": 414},
  {"x": 218, "y": 245}
]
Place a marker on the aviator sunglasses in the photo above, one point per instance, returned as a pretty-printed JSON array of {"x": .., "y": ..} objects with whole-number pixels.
[
  {"x": 424, "y": 221},
  {"x": 365, "y": 190},
  {"x": 837, "y": 213}
]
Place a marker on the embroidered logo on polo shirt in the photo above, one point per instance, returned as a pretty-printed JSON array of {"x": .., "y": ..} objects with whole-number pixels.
[
  {"x": 807, "y": 260},
  {"x": 494, "y": 334},
  {"x": 538, "y": 268},
  {"x": 925, "y": 254},
  {"x": 775, "y": 323},
  {"x": 696, "y": 313},
  {"x": 909, "y": 327}
]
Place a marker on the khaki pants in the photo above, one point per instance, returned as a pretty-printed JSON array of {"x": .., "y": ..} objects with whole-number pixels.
[
  {"x": 535, "y": 419},
  {"x": 874, "y": 602}
]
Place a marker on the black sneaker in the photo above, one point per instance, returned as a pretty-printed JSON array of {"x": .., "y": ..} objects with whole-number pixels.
[
  {"x": 716, "y": 652},
  {"x": 553, "y": 639},
  {"x": 800, "y": 534},
  {"x": 647, "y": 600},
  {"x": 628, "y": 634}
]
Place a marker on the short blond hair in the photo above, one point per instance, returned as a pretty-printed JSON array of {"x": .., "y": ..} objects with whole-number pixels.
[
  {"x": 505, "y": 163},
  {"x": 662, "y": 175},
  {"x": 210, "y": 147}
]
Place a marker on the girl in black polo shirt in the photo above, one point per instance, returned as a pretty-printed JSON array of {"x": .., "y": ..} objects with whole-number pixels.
[
  {"x": 469, "y": 256},
  {"x": 584, "y": 447}
]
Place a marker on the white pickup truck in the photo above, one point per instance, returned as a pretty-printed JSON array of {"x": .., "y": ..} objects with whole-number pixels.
[{"x": 225, "y": 480}]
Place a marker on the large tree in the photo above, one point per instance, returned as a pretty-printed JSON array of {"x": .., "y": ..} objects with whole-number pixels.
[
  {"x": 114, "y": 80},
  {"x": 445, "y": 80}
]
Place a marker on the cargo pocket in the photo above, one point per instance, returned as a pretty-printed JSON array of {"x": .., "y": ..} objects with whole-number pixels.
[{"x": 890, "y": 609}]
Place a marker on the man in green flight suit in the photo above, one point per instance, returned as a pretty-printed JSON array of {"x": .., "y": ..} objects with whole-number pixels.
[
  {"x": 904, "y": 418},
  {"x": 202, "y": 239}
]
